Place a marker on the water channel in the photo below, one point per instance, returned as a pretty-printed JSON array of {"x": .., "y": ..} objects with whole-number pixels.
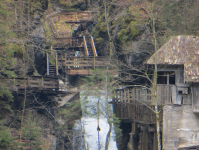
[{"x": 91, "y": 117}]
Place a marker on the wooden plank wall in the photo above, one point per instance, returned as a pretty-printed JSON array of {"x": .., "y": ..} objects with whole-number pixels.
[
  {"x": 137, "y": 113},
  {"x": 195, "y": 98}
]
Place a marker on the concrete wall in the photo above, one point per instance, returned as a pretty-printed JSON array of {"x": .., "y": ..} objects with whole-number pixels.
[{"x": 180, "y": 127}]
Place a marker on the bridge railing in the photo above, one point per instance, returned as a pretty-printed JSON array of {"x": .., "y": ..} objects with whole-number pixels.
[
  {"x": 138, "y": 94},
  {"x": 134, "y": 94},
  {"x": 74, "y": 17},
  {"x": 81, "y": 62},
  {"x": 71, "y": 42},
  {"x": 36, "y": 82}
]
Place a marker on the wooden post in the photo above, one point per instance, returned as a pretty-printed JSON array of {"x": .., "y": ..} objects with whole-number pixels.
[
  {"x": 125, "y": 95},
  {"x": 155, "y": 141},
  {"x": 167, "y": 78},
  {"x": 94, "y": 62},
  {"x": 121, "y": 95},
  {"x": 27, "y": 82},
  {"x": 47, "y": 59},
  {"x": 56, "y": 64},
  {"x": 42, "y": 82},
  {"x": 133, "y": 134},
  {"x": 85, "y": 46},
  {"x": 128, "y": 96},
  {"x": 93, "y": 47}
]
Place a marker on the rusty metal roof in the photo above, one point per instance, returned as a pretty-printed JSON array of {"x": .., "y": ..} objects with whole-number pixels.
[{"x": 180, "y": 50}]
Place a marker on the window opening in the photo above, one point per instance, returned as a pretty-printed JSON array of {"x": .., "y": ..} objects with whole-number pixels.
[
  {"x": 172, "y": 78},
  {"x": 166, "y": 77},
  {"x": 162, "y": 79}
]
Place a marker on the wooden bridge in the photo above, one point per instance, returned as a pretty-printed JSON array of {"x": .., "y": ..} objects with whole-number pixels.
[
  {"x": 166, "y": 94},
  {"x": 132, "y": 103},
  {"x": 73, "y": 63},
  {"x": 76, "y": 65},
  {"x": 135, "y": 105},
  {"x": 34, "y": 82},
  {"x": 80, "y": 65},
  {"x": 85, "y": 42},
  {"x": 74, "y": 17}
]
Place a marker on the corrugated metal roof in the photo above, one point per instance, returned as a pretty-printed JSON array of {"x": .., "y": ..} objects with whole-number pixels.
[{"x": 180, "y": 50}]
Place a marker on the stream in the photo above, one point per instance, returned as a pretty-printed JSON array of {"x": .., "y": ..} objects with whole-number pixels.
[{"x": 89, "y": 123}]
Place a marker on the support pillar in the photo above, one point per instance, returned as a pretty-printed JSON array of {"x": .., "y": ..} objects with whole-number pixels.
[
  {"x": 144, "y": 138},
  {"x": 155, "y": 144},
  {"x": 133, "y": 141}
]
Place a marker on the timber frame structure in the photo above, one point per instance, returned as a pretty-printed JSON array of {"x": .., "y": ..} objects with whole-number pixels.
[
  {"x": 74, "y": 55},
  {"x": 77, "y": 62},
  {"x": 177, "y": 95}
]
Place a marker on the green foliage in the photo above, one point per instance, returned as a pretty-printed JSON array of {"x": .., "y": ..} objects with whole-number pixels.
[
  {"x": 128, "y": 30},
  {"x": 6, "y": 98},
  {"x": 133, "y": 29},
  {"x": 122, "y": 36},
  {"x": 6, "y": 141},
  {"x": 116, "y": 121},
  {"x": 118, "y": 21},
  {"x": 127, "y": 19},
  {"x": 7, "y": 50},
  {"x": 99, "y": 29},
  {"x": 96, "y": 78},
  {"x": 47, "y": 31},
  {"x": 31, "y": 134},
  {"x": 99, "y": 40}
]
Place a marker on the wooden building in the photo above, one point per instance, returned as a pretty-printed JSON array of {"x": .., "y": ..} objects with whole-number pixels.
[{"x": 178, "y": 97}]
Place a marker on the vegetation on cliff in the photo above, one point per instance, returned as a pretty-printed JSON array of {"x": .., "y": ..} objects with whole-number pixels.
[{"x": 120, "y": 32}]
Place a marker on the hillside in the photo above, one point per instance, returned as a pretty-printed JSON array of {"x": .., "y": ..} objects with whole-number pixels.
[{"x": 124, "y": 32}]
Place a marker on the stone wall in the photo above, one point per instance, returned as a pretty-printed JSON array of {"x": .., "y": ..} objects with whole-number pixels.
[{"x": 180, "y": 127}]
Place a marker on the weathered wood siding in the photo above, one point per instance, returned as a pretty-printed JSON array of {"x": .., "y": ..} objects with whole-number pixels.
[
  {"x": 135, "y": 113},
  {"x": 166, "y": 94},
  {"x": 195, "y": 97}
]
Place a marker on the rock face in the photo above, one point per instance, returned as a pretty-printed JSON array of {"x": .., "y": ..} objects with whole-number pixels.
[
  {"x": 40, "y": 62},
  {"x": 133, "y": 58},
  {"x": 44, "y": 111},
  {"x": 39, "y": 42},
  {"x": 139, "y": 50}
]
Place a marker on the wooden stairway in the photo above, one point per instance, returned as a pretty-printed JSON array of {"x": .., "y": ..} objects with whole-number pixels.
[
  {"x": 52, "y": 71},
  {"x": 89, "y": 48}
]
